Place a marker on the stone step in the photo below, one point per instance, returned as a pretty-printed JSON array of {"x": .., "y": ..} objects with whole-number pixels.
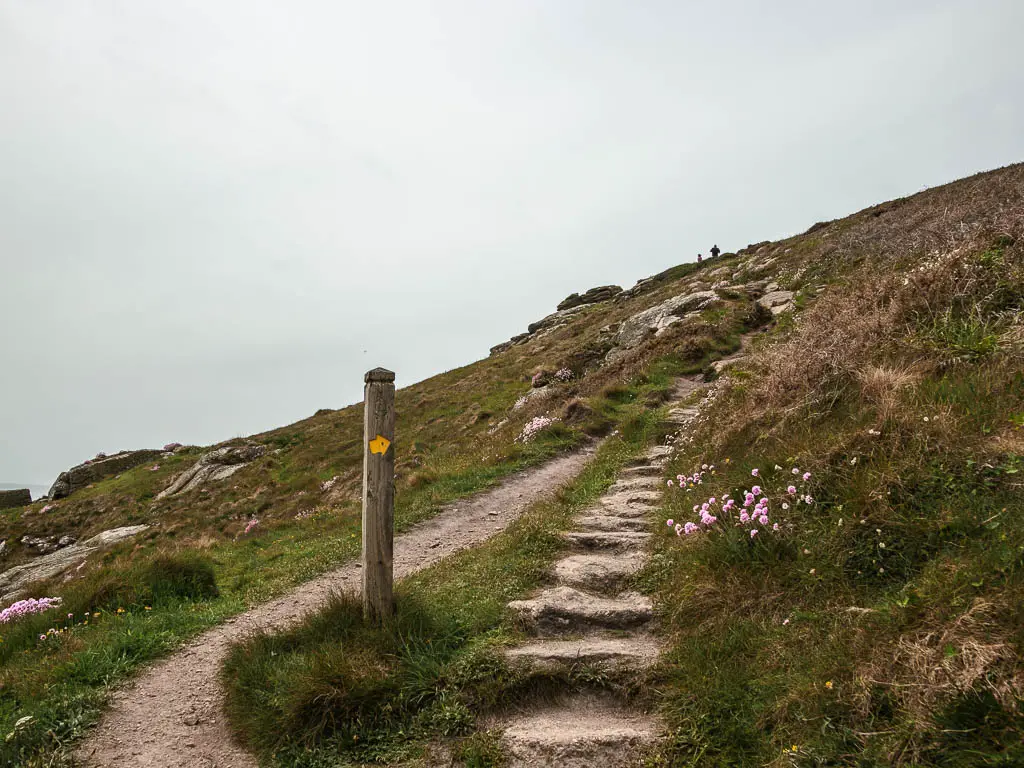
[
  {"x": 634, "y": 497},
  {"x": 658, "y": 453},
  {"x": 682, "y": 415},
  {"x": 620, "y": 509},
  {"x": 641, "y": 470},
  {"x": 564, "y": 610},
  {"x": 721, "y": 365},
  {"x": 578, "y": 732},
  {"x": 629, "y": 505},
  {"x": 617, "y": 540},
  {"x": 687, "y": 385},
  {"x": 598, "y": 571},
  {"x": 634, "y": 652},
  {"x": 629, "y": 484},
  {"x": 612, "y": 523}
]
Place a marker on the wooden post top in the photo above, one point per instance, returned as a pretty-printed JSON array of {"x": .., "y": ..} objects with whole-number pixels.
[{"x": 379, "y": 374}]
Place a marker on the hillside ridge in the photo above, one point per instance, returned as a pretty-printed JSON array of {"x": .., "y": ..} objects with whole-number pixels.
[{"x": 881, "y": 352}]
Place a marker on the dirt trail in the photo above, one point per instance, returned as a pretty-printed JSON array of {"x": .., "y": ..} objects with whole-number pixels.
[{"x": 172, "y": 714}]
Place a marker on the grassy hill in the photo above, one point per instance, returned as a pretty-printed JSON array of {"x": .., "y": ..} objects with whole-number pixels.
[{"x": 881, "y": 625}]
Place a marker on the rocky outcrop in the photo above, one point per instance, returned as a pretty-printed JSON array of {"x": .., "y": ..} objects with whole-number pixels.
[
  {"x": 517, "y": 339},
  {"x": 568, "y": 307},
  {"x": 213, "y": 466},
  {"x": 15, "y": 498},
  {"x": 777, "y": 301},
  {"x": 593, "y": 296},
  {"x": 97, "y": 469},
  {"x": 656, "y": 319},
  {"x": 642, "y": 286},
  {"x": 14, "y": 581},
  {"x": 552, "y": 321},
  {"x": 43, "y": 545}
]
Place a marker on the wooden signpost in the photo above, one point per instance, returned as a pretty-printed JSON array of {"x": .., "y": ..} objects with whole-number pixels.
[{"x": 378, "y": 494}]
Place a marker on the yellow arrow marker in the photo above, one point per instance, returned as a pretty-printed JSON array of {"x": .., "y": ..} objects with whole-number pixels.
[{"x": 379, "y": 444}]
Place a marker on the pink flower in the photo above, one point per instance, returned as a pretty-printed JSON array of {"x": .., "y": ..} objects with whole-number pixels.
[
  {"x": 807, "y": 476},
  {"x": 670, "y": 522},
  {"x": 763, "y": 520},
  {"x": 669, "y": 483},
  {"x": 791, "y": 490},
  {"x": 744, "y": 517},
  {"x": 28, "y": 607},
  {"x": 690, "y": 528},
  {"x": 775, "y": 527},
  {"x": 754, "y": 472},
  {"x": 753, "y": 532},
  {"x": 796, "y": 471}
]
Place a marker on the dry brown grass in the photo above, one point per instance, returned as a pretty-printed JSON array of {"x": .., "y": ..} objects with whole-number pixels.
[
  {"x": 884, "y": 387},
  {"x": 970, "y": 653}
]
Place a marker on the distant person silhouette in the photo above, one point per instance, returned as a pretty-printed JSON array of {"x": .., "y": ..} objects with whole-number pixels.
[
  {"x": 715, "y": 251},
  {"x": 699, "y": 258}
]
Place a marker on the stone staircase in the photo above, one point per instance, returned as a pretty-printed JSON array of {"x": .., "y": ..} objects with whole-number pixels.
[{"x": 588, "y": 617}]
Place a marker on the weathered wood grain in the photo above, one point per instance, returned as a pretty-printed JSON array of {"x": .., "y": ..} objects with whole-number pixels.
[{"x": 378, "y": 494}]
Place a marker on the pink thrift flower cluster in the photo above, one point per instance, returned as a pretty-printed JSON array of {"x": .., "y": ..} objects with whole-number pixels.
[
  {"x": 27, "y": 608},
  {"x": 753, "y": 512},
  {"x": 533, "y": 426},
  {"x": 326, "y": 485},
  {"x": 563, "y": 374},
  {"x": 689, "y": 482},
  {"x": 250, "y": 525}
]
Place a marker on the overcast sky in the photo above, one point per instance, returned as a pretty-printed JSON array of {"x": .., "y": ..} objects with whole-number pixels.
[{"x": 216, "y": 215}]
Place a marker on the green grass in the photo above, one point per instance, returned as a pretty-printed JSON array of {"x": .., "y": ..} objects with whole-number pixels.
[
  {"x": 337, "y": 691},
  {"x": 63, "y": 682},
  {"x": 883, "y": 625}
]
